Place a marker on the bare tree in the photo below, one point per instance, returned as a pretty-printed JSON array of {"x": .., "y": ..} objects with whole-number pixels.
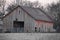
[
  {"x": 25, "y": 3},
  {"x": 55, "y": 10},
  {"x": 1, "y": 2},
  {"x": 29, "y": 3},
  {"x": 11, "y": 7},
  {"x": 36, "y": 4},
  {"x": 2, "y": 6}
]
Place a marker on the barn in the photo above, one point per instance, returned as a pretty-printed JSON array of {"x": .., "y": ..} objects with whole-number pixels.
[{"x": 27, "y": 19}]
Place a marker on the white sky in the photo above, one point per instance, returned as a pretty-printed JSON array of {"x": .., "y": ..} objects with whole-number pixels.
[{"x": 44, "y": 2}]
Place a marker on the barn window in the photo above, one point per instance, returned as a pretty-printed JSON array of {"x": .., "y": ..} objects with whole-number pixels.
[
  {"x": 19, "y": 11},
  {"x": 35, "y": 29}
]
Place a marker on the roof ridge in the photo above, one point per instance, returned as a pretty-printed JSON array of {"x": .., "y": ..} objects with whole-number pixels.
[{"x": 26, "y": 6}]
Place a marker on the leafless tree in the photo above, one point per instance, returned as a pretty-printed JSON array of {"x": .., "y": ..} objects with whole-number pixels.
[
  {"x": 55, "y": 10},
  {"x": 11, "y": 7},
  {"x": 25, "y": 3},
  {"x": 2, "y": 6}
]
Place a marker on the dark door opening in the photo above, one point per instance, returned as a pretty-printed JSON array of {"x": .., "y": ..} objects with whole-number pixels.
[{"x": 18, "y": 26}]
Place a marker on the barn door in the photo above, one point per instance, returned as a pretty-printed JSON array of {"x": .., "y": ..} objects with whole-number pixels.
[{"x": 18, "y": 26}]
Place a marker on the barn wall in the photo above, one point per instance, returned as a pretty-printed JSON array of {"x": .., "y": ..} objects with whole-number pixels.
[
  {"x": 20, "y": 15},
  {"x": 44, "y": 26},
  {"x": 29, "y": 24},
  {"x": 8, "y": 20},
  {"x": 1, "y": 24}
]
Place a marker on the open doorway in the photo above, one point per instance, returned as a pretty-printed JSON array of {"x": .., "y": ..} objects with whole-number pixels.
[{"x": 18, "y": 26}]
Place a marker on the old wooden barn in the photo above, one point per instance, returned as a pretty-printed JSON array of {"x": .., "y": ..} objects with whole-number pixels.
[{"x": 27, "y": 19}]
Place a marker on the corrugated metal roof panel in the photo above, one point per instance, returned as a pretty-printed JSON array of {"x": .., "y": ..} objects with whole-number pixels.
[{"x": 36, "y": 13}]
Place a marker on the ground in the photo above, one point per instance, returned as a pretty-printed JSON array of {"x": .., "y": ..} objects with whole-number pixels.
[{"x": 30, "y": 36}]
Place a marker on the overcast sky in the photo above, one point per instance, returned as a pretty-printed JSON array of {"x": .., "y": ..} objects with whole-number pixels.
[{"x": 43, "y": 2}]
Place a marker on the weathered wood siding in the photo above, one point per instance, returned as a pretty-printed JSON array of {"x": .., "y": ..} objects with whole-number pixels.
[
  {"x": 1, "y": 24},
  {"x": 21, "y": 16},
  {"x": 44, "y": 26},
  {"x": 29, "y": 24}
]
